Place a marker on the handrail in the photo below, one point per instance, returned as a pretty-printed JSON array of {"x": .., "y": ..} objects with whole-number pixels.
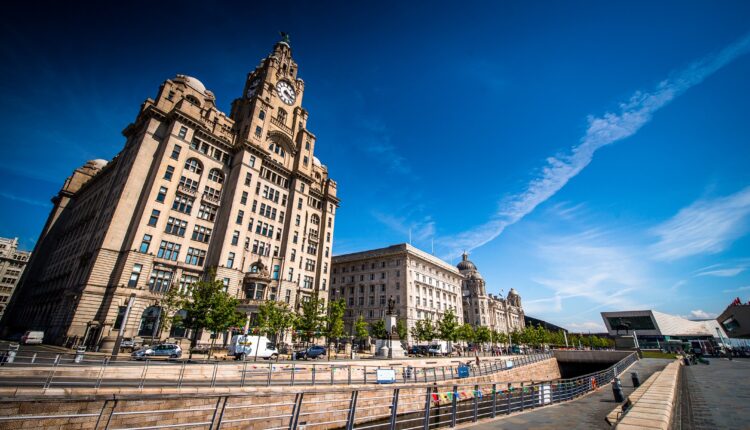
[{"x": 468, "y": 402}]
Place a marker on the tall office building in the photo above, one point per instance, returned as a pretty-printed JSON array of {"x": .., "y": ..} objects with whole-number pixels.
[
  {"x": 194, "y": 190},
  {"x": 12, "y": 264}
]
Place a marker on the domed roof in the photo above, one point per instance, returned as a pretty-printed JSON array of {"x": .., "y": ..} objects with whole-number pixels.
[
  {"x": 512, "y": 292},
  {"x": 98, "y": 163},
  {"x": 193, "y": 83},
  {"x": 316, "y": 161},
  {"x": 465, "y": 264}
]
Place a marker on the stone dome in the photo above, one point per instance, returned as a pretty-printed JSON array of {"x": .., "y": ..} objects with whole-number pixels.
[
  {"x": 465, "y": 264},
  {"x": 98, "y": 163},
  {"x": 193, "y": 83}
]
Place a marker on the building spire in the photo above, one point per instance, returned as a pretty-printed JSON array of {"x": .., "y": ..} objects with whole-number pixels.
[{"x": 285, "y": 38}]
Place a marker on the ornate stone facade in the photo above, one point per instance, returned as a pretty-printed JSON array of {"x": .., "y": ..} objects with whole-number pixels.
[
  {"x": 423, "y": 287},
  {"x": 482, "y": 309},
  {"x": 194, "y": 190}
]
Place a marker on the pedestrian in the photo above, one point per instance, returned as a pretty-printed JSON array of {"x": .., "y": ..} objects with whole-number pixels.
[{"x": 476, "y": 355}]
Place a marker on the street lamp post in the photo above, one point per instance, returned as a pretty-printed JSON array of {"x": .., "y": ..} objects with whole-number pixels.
[{"x": 118, "y": 341}]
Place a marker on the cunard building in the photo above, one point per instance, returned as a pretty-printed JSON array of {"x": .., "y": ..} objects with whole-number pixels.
[{"x": 193, "y": 190}]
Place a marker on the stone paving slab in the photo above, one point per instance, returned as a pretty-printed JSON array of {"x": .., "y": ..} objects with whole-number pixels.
[{"x": 588, "y": 412}]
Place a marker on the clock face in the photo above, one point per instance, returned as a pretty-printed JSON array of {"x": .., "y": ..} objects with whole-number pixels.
[
  {"x": 286, "y": 92},
  {"x": 253, "y": 88}
]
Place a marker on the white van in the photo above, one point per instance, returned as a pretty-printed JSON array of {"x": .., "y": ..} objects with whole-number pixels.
[
  {"x": 245, "y": 347},
  {"x": 32, "y": 337}
]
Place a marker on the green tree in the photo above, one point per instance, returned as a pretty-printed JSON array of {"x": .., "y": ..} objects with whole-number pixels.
[
  {"x": 274, "y": 319},
  {"x": 311, "y": 320},
  {"x": 465, "y": 332},
  {"x": 171, "y": 302},
  {"x": 423, "y": 330},
  {"x": 483, "y": 335},
  {"x": 361, "y": 329},
  {"x": 211, "y": 308},
  {"x": 335, "y": 320},
  {"x": 401, "y": 330},
  {"x": 377, "y": 330},
  {"x": 448, "y": 325}
]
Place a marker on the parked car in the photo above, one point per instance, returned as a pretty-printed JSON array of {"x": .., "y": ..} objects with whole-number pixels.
[
  {"x": 419, "y": 350},
  {"x": 315, "y": 351},
  {"x": 127, "y": 342},
  {"x": 170, "y": 350},
  {"x": 32, "y": 337}
]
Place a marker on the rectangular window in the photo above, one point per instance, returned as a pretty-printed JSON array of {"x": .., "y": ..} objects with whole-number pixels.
[
  {"x": 162, "y": 194},
  {"x": 299, "y": 203},
  {"x": 189, "y": 184},
  {"x": 154, "y": 218},
  {"x": 235, "y": 237},
  {"x": 195, "y": 256},
  {"x": 258, "y": 131},
  {"x": 243, "y": 199},
  {"x": 248, "y": 179},
  {"x": 168, "y": 250},
  {"x": 290, "y": 275},
  {"x": 176, "y": 227},
  {"x": 120, "y": 315},
  {"x": 160, "y": 281},
  {"x": 134, "y": 275},
  {"x": 168, "y": 173},
  {"x": 183, "y": 132},
  {"x": 201, "y": 234},
  {"x": 276, "y": 269},
  {"x": 252, "y": 161},
  {"x": 183, "y": 204},
  {"x": 230, "y": 260},
  {"x": 207, "y": 212},
  {"x": 145, "y": 243},
  {"x": 176, "y": 151},
  {"x": 307, "y": 282},
  {"x": 240, "y": 215}
]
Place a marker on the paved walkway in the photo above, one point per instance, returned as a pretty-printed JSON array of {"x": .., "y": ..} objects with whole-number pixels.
[
  {"x": 715, "y": 396},
  {"x": 585, "y": 413}
]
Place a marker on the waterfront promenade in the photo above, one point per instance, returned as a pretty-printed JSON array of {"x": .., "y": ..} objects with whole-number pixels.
[{"x": 587, "y": 412}]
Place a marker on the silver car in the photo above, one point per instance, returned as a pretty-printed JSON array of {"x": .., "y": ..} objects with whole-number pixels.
[{"x": 170, "y": 350}]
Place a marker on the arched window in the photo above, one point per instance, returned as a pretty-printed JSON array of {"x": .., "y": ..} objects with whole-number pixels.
[
  {"x": 262, "y": 115},
  {"x": 194, "y": 165},
  {"x": 315, "y": 220},
  {"x": 178, "y": 325},
  {"x": 216, "y": 175},
  {"x": 193, "y": 100},
  {"x": 149, "y": 322},
  {"x": 281, "y": 116},
  {"x": 274, "y": 147}
]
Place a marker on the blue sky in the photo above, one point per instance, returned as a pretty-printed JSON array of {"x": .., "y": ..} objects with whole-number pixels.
[{"x": 592, "y": 155}]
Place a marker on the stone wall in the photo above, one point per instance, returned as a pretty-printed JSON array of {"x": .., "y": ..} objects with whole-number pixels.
[{"x": 248, "y": 408}]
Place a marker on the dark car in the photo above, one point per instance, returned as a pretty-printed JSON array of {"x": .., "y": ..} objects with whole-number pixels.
[
  {"x": 313, "y": 352},
  {"x": 419, "y": 350}
]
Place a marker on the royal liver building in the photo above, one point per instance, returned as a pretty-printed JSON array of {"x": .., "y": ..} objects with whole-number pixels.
[{"x": 193, "y": 190}]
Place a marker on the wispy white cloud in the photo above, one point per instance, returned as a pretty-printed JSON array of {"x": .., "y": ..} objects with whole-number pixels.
[
  {"x": 707, "y": 226},
  {"x": 420, "y": 230},
  {"x": 376, "y": 141},
  {"x": 602, "y": 131},
  {"x": 25, "y": 200},
  {"x": 587, "y": 326},
  {"x": 737, "y": 290},
  {"x": 700, "y": 314},
  {"x": 585, "y": 267},
  {"x": 725, "y": 273}
]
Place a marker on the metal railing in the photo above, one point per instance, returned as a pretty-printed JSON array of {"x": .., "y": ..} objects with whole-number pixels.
[
  {"x": 71, "y": 371},
  {"x": 403, "y": 407}
]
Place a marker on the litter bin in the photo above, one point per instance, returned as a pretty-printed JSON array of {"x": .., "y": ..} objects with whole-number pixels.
[
  {"x": 636, "y": 379},
  {"x": 12, "y": 351},
  {"x": 80, "y": 352}
]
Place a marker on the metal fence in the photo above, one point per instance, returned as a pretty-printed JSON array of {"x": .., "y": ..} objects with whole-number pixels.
[
  {"x": 61, "y": 371},
  {"x": 405, "y": 407}
]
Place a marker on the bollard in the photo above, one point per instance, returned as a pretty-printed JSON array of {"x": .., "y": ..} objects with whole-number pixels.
[
  {"x": 617, "y": 390},
  {"x": 80, "y": 352},
  {"x": 636, "y": 379},
  {"x": 12, "y": 351}
]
